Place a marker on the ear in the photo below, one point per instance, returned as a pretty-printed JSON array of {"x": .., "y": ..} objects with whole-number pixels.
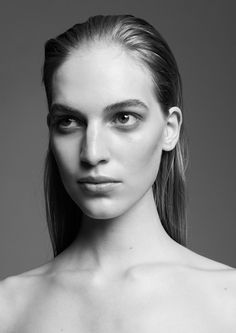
[{"x": 172, "y": 128}]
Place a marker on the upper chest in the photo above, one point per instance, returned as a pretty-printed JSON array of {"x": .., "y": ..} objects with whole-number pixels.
[
  {"x": 114, "y": 316},
  {"x": 166, "y": 306}
]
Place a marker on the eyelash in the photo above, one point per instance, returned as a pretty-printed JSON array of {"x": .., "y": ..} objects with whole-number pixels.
[
  {"x": 57, "y": 122},
  {"x": 136, "y": 116}
]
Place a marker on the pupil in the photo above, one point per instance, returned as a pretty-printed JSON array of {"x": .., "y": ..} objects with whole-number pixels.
[
  {"x": 124, "y": 117},
  {"x": 67, "y": 121}
]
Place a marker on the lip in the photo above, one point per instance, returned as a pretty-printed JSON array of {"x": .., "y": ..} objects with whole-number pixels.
[
  {"x": 97, "y": 180},
  {"x": 102, "y": 187}
]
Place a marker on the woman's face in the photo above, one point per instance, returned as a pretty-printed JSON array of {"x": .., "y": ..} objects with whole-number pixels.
[{"x": 106, "y": 121}]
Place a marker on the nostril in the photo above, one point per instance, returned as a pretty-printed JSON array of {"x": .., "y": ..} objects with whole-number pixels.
[
  {"x": 93, "y": 157},
  {"x": 86, "y": 164},
  {"x": 89, "y": 164}
]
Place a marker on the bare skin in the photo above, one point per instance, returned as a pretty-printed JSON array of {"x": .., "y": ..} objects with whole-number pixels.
[
  {"x": 158, "y": 297},
  {"x": 84, "y": 290},
  {"x": 123, "y": 273}
]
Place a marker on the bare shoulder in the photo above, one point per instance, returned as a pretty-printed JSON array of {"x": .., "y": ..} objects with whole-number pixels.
[
  {"x": 216, "y": 283},
  {"x": 11, "y": 301},
  {"x": 16, "y": 293},
  {"x": 6, "y": 302},
  {"x": 218, "y": 278},
  {"x": 206, "y": 286}
]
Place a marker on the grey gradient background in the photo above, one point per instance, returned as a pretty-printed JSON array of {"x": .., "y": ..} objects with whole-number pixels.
[{"x": 202, "y": 37}]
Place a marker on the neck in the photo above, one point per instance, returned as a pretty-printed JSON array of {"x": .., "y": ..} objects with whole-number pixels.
[{"x": 134, "y": 238}]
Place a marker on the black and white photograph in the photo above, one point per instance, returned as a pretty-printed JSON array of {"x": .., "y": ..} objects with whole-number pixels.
[{"x": 118, "y": 188}]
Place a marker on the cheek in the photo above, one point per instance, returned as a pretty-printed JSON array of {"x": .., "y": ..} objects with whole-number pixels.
[
  {"x": 66, "y": 154},
  {"x": 141, "y": 155}
]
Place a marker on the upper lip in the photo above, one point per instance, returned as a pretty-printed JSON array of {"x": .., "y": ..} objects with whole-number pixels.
[{"x": 97, "y": 179}]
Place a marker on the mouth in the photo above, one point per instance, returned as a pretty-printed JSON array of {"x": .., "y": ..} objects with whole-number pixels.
[
  {"x": 101, "y": 187},
  {"x": 97, "y": 179}
]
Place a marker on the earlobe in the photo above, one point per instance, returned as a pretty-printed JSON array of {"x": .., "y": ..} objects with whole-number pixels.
[{"x": 172, "y": 128}]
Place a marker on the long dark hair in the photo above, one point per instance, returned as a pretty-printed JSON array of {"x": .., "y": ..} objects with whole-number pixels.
[{"x": 143, "y": 41}]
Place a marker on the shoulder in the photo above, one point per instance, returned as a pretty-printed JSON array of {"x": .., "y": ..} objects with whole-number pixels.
[
  {"x": 16, "y": 294},
  {"x": 199, "y": 288},
  {"x": 5, "y": 305},
  {"x": 213, "y": 291},
  {"x": 209, "y": 273},
  {"x": 214, "y": 283},
  {"x": 197, "y": 283},
  {"x": 11, "y": 298}
]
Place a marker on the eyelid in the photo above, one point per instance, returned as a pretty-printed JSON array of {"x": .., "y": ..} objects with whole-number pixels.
[
  {"x": 56, "y": 119},
  {"x": 137, "y": 117},
  {"x": 130, "y": 113}
]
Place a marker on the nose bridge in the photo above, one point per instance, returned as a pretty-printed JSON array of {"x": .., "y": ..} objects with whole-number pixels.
[{"x": 94, "y": 148}]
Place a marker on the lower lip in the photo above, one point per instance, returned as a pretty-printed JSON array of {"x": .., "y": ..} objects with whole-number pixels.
[{"x": 99, "y": 187}]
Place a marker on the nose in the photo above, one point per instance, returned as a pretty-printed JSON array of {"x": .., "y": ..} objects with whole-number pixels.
[{"x": 94, "y": 147}]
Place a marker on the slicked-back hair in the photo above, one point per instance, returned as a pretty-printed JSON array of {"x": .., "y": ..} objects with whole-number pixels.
[{"x": 141, "y": 40}]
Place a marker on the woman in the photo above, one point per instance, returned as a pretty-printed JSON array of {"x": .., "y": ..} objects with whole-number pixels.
[{"x": 115, "y": 195}]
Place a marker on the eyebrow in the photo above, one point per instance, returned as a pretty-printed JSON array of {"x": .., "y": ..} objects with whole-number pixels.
[{"x": 109, "y": 108}]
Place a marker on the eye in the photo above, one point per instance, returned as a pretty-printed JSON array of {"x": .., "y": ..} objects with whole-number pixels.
[
  {"x": 66, "y": 122},
  {"x": 126, "y": 119}
]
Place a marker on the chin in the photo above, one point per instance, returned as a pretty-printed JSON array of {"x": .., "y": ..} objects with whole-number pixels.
[
  {"x": 100, "y": 214},
  {"x": 101, "y": 211}
]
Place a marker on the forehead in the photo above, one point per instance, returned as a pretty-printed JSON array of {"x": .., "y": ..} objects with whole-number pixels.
[{"x": 102, "y": 74}]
